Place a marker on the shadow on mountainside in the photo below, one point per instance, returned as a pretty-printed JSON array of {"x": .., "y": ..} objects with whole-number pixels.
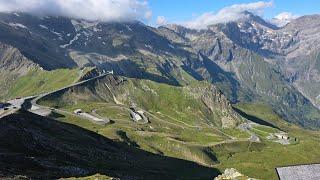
[
  {"x": 43, "y": 148},
  {"x": 255, "y": 119},
  {"x": 131, "y": 69}
]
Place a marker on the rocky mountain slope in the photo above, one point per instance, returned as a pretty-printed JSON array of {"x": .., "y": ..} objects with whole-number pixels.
[
  {"x": 13, "y": 64},
  {"x": 267, "y": 64},
  {"x": 249, "y": 60}
]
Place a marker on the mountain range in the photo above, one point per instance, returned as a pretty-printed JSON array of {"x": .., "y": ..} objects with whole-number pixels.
[{"x": 248, "y": 60}]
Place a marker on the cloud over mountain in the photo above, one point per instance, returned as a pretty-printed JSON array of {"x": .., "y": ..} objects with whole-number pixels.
[
  {"x": 230, "y": 13},
  {"x": 283, "y": 18},
  {"x": 103, "y": 10},
  {"x": 161, "y": 20}
]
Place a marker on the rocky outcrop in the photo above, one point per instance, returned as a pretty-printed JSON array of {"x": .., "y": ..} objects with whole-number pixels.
[
  {"x": 11, "y": 59},
  {"x": 253, "y": 60},
  {"x": 232, "y": 174},
  {"x": 13, "y": 64},
  {"x": 217, "y": 103}
]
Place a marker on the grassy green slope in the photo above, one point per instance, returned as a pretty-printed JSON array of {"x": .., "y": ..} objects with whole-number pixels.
[
  {"x": 207, "y": 145},
  {"x": 181, "y": 125},
  {"x": 184, "y": 105},
  {"x": 39, "y": 81},
  {"x": 260, "y": 160}
]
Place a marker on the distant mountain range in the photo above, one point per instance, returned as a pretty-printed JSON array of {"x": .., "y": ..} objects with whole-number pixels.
[{"x": 249, "y": 60}]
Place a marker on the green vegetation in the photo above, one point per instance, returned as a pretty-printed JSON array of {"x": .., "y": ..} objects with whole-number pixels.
[
  {"x": 60, "y": 149},
  {"x": 263, "y": 112},
  {"x": 38, "y": 81},
  {"x": 236, "y": 133},
  {"x": 259, "y": 159},
  {"x": 179, "y": 128},
  {"x": 208, "y": 146},
  {"x": 160, "y": 136},
  {"x": 181, "y": 125},
  {"x": 93, "y": 177}
]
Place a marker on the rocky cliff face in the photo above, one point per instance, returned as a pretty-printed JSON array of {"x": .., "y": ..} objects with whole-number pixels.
[
  {"x": 216, "y": 102},
  {"x": 11, "y": 59},
  {"x": 13, "y": 64},
  {"x": 262, "y": 62}
]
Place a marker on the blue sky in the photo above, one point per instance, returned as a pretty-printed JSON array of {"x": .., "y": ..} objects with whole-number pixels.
[
  {"x": 197, "y": 14},
  {"x": 184, "y": 10}
]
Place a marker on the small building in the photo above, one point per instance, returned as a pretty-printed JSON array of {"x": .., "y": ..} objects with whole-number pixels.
[
  {"x": 78, "y": 111},
  {"x": 138, "y": 115},
  {"x": 281, "y": 135},
  {"x": 135, "y": 116}
]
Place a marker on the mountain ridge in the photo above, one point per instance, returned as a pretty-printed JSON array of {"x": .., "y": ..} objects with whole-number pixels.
[{"x": 225, "y": 55}]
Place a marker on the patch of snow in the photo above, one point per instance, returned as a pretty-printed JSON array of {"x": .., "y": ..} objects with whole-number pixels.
[
  {"x": 128, "y": 27},
  {"x": 71, "y": 42},
  {"x": 56, "y": 33},
  {"x": 103, "y": 43},
  {"x": 68, "y": 34},
  {"x": 86, "y": 34},
  {"x": 148, "y": 46},
  {"x": 18, "y": 25},
  {"x": 99, "y": 37},
  {"x": 170, "y": 45},
  {"x": 43, "y": 26},
  {"x": 318, "y": 97},
  {"x": 16, "y": 14}
]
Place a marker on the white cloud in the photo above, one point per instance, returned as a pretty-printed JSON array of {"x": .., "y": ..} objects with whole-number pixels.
[
  {"x": 230, "y": 13},
  {"x": 104, "y": 10},
  {"x": 161, "y": 20},
  {"x": 283, "y": 18}
]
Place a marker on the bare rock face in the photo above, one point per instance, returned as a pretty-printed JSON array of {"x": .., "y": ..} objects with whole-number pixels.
[
  {"x": 11, "y": 59},
  {"x": 13, "y": 64},
  {"x": 217, "y": 103},
  {"x": 262, "y": 62},
  {"x": 232, "y": 174}
]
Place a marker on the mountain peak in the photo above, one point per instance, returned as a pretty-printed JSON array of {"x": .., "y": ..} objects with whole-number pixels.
[{"x": 253, "y": 18}]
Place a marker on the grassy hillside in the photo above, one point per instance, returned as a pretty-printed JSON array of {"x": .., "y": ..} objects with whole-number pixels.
[
  {"x": 181, "y": 124},
  {"x": 271, "y": 88},
  {"x": 194, "y": 105},
  {"x": 184, "y": 121},
  {"x": 38, "y": 81},
  {"x": 206, "y": 145},
  {"x": 259, "y": 160}
]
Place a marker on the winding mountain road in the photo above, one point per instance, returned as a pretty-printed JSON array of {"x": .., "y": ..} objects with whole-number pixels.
[{"x": 33, "y": 107}]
